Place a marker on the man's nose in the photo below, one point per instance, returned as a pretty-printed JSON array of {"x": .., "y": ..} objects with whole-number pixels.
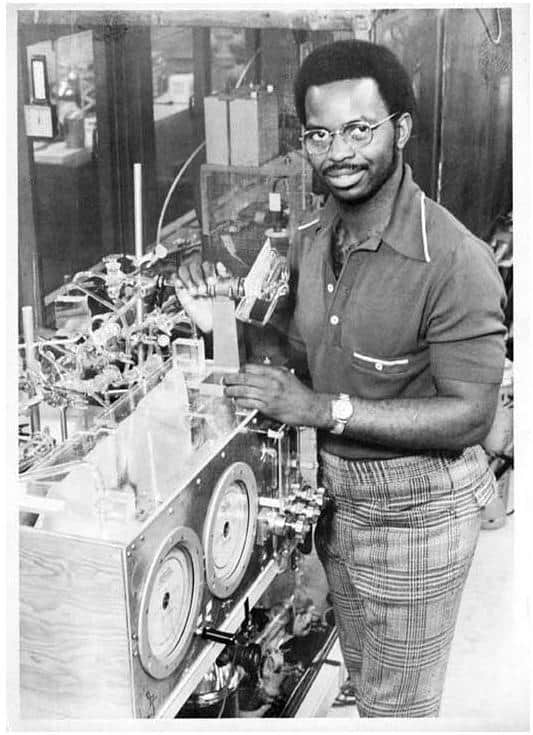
[{"x": 340, "y": 148}]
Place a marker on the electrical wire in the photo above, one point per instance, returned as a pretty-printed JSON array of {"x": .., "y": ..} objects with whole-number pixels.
[
  {"x": 172, "y": 187},
  {"x": 495, "y": 41},
  {"x": 247, "y": 67}
]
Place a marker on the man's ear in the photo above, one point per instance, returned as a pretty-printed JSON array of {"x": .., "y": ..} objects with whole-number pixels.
[{"x": 404, "y": 125}]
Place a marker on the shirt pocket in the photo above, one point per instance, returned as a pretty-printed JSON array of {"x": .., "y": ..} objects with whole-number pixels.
[
  {"x": 380, "y": 365},
  {"x": 377, "y": 376}
]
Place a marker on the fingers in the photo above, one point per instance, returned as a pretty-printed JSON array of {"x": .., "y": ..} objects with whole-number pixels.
[
  {"x": 259, "y": 381},
  {"x": 184, "y": 280},
  {"x": 222, "y": 271},
  {"x": 199, "y": 310},
  {"x": 245, "y": 392},
  {"x": 249, "y": 404},
  {"x": 239, "y": 385},
  {"x": 267, "y": 371},
  {"x": 256, "y": 367},
  {"x": 184, "y": 271},
  {"x": 208, "y": 271},
  {"x": 191, "y": 276},
  {"x": 197, "y": 277}
]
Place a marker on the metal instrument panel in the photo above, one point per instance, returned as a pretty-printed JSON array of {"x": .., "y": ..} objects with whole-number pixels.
[{"x": 241, "y": 463}]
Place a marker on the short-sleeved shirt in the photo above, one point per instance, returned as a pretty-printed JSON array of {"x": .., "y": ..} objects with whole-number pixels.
[{"x": 424, "y": 300}]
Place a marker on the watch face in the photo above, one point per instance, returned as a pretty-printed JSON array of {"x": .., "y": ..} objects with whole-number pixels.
[{"x": 342, "y": 410}]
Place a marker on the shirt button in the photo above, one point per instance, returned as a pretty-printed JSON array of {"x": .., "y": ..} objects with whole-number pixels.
[
  {"x": 379, "y": 366},
  {"x": 330, "y": 287},
  {"x": 334, "y": 320}
]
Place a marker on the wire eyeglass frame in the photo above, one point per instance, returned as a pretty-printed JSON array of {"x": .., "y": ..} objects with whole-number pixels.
[{"x": 325, "y": 145}]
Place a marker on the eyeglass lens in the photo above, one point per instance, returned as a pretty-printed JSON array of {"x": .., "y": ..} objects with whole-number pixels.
[{"x": 320, "y": 140}]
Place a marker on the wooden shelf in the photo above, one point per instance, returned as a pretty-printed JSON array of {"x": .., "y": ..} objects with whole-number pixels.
[{"x": 307, "y": 20}]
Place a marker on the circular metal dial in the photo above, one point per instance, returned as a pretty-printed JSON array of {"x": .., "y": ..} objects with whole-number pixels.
[
  {"x": 229, "y": 529},
  {"x": 170, "y": 603}
]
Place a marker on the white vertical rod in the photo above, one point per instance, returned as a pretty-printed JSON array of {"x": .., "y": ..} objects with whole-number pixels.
[
  {"x": 138, "y": 214},
  {"x": 31, "y": 363},
  {"x": 27, "y": 328}
]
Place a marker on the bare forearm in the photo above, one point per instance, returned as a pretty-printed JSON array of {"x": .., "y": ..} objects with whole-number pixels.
[
  {"x": 459, "y": 415},
  {"x": 440, "y": 422}
]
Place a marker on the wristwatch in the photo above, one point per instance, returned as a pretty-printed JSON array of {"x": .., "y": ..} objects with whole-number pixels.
[{"x": 341, "y": 411}]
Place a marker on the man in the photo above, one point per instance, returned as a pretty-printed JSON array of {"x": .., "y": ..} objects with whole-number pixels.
[{"x": 399, "y": 312}]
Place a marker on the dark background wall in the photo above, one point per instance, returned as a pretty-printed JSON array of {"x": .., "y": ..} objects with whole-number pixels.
[{"x": 476, "y": 149}]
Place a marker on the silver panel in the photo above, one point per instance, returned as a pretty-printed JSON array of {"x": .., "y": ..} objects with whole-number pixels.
[
  {"x": 230, "y": 528},
  {"x": 170, "y": 603},
  {"x": 189, "y": 507}
]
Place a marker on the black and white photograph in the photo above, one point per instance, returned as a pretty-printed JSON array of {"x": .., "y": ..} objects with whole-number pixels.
[{"x": 261, "y": 359}]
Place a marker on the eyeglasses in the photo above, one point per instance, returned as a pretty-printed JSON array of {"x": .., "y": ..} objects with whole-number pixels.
[{"x": 357, "y": 133}]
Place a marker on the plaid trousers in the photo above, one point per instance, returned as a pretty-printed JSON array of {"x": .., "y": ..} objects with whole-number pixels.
[{"x": 396, "y": 538}]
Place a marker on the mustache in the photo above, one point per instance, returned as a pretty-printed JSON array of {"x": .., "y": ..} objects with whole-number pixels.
[{"x": 347, "y": 167}]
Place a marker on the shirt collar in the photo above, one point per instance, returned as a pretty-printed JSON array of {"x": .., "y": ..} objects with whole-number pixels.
[{"x": 404, "y": 231}]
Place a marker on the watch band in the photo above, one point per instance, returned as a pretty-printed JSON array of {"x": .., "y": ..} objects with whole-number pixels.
[
  {"x": 341, "y": 411},
  {"x": 338, "y": 427}
]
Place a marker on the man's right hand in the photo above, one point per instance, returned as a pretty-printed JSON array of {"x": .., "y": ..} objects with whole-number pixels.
[{"x": 191, "y": 285}]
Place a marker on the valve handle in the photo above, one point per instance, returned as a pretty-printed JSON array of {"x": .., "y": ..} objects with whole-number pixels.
[{"x": 218, "y": 636}]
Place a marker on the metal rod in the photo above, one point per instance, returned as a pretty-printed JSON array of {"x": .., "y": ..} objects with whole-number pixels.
[
  {"x": 27, "y": 327},
  {"x": 280, "y": 475},
  {"x": 94, "y": 296},
  {"x": 217, "y": 636},
  {"x": 138, "y": 215},
  {"x": 31, "y": 362},
  {"x": 63, "y": 423}
]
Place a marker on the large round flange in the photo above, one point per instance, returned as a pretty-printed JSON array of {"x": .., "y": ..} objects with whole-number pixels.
[
  {"x": 170, "y": 603},
  {"x": 229, "y": 529}
]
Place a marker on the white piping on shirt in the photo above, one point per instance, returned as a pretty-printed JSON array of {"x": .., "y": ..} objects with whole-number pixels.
[
  {"x": 422, "y": 221},
  {"x": 315, "y": 221},
  {"x": 377, "y": 360},
  {"x": 424, "y": 230}
]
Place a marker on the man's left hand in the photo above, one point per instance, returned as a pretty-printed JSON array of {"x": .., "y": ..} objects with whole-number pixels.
[{"x": 276, "y": 392}]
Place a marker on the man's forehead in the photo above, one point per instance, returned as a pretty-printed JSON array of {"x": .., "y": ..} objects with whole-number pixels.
[{"x": 350, "y": 97}]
